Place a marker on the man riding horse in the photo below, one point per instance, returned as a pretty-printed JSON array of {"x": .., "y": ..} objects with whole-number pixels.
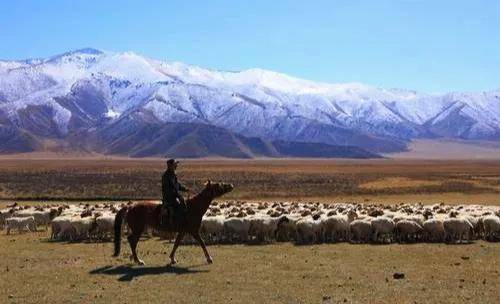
[{"x": 172, "y": 199}]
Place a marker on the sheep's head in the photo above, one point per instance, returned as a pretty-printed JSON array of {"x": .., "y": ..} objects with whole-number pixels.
[
  {"x": 352, "y": 215},
  {"x": 332, "y": 212},
  {"x": 283, "y": 219},
  {"x": 54, "y": 212},
  {"x": 427, "y": 213}
]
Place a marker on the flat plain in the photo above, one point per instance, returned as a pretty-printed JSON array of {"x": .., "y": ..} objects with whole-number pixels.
[
  {"x": 379, "y": 181},
  {"x": 35, "y": 270}
]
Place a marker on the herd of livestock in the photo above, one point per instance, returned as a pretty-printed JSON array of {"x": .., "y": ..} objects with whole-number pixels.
[{"x": 264, "y": 222}]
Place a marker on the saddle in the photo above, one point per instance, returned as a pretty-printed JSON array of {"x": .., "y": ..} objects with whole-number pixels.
[{"x": 171, "y": 217}]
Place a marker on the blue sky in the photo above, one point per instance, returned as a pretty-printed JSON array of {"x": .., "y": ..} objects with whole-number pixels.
[{"x": 432, "y": 46}]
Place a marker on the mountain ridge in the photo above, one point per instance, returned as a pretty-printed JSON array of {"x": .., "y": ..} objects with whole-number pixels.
[{"x": 84, "y": 90}]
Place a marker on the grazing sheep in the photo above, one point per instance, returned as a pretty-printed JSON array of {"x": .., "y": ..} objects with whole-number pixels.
[
  {"x": 361, "y": 230},
  {"x": 407, "y": 230},
  {"x": 434, "y": 230},
  {"x": 83, "y": 226},
  {"x": 236, "y": 228},
  {"x": 20, "y": 224},
  {"x": 383, "y": 228},
  {"x": 336, "y": 227},
  {"x": 5, "y": 214},
  {"x": 263, "y": 227},
  {"x": 105, "y": 226},
  {"x": 303, "y": 222},
  {"x": 491, "y": 224},
  {"x": 457, "y": 229},
  {"x": 42, "y": 217},
  {"x": 62, "y": 229},
  {"x": 286, "y": 229},
  {"x": 308, "y": 230},
  {"x": 477, "y": 226},
  {"x": 212, "y": 227}
]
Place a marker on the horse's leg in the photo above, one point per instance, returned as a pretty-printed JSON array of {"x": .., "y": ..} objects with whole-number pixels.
[
  {"x": 178, "y": 240},
  {"x": 198, "y": 238},
  {"x": 133, "y": 239}
]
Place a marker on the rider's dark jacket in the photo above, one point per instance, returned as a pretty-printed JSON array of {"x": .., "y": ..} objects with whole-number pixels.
[{"x": 171, "y": 188}]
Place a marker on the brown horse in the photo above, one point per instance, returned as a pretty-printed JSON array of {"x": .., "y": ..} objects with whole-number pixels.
[{"x": 147, "y": 214}]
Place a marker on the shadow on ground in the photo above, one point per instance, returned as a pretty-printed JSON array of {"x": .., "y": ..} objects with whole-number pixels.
[{"x": 128, "y": 273}]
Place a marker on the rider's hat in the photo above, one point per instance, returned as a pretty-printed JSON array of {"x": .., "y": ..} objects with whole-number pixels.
[{"x": 172, "y": 161}]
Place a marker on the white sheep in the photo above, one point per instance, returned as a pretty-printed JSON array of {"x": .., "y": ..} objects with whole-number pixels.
[
  {"x": 4, "y": 214},
  {"x": 236, "y": 227},
  {"x": 20, "y": 223},
  {"x": 286, "y": 229},
  {"x": 212, "y": 227},
  {"x": 383, "y": 228},
  {"x": 477, "y": 226},
  {"x": 361, "y": 230},
  {"x": 83, "y": 226},
  {"x": 263, "y": 227},
  {"x": 42, "y": 218},
  {"x": 491, "y": 224},
  {"x": 62, "y": 228},
  {"x": 434, "y": 230},
  {"x": 308, "y": 230},
  {"x": 105, "y": 225},
  {"x": 457, "y": 229},
  {"x": 336, "y": 227},
  {"x": 407, "y": 230}
]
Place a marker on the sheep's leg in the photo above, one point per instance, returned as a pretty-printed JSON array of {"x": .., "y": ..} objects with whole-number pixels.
[
  {"x": 178, "y": 240},
  {"x": 198, "y": 238}
]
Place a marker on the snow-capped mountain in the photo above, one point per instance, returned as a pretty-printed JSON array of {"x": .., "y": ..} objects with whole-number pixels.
[{"x": 87, "y": 92}]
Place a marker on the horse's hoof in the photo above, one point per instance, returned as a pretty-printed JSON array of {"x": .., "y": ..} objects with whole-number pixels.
[
  {"x": 209, "y": 260},
  {"x": 141, "y": 262},
  {"x": 173, "y": 262}
]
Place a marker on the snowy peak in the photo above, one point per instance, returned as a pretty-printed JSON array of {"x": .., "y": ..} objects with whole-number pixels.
[{"x": 88, "y": 89}]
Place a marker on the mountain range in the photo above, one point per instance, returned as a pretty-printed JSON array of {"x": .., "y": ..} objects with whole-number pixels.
[{"x": 127, "y": 104}]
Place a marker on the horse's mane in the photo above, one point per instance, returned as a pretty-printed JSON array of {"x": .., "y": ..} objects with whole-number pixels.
[{"x": 198, "y": 197}]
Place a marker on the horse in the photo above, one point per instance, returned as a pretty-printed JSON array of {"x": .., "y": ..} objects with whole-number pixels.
[{"x": 140, "y": 215}]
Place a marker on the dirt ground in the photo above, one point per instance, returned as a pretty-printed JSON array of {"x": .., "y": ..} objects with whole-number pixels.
[
  {"x": 37, "y": 271},
  {"x": 263, "y": 179}
]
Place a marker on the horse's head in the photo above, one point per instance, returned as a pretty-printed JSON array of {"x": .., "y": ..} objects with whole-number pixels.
[{"x": 217, "y": 189}]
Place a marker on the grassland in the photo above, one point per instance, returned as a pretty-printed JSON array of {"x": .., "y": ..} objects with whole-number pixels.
[
  {"x": 452, "y": 148},
  {"x": 34, "y": 270},
  {"x": 297, "y": 179},
  {"x": 37, "y": 271}
]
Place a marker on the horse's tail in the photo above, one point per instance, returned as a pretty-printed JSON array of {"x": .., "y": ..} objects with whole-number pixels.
[{"x": 118, "y": 229}]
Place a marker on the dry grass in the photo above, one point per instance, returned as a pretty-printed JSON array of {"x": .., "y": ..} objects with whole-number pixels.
[
  {"x": 121, "y": 179},
  {"x": 399, "y": 182},
  {"x": 451, "y": 148},
  {"x": 36, "y": 271}
]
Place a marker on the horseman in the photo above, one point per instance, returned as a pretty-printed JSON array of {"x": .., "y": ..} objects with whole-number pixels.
[{"x": 171, "y": 188}]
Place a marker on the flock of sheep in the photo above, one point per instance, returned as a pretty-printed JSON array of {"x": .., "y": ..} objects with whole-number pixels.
[
  {"x": 302, "y": 223},
  {"x": 67, "y": 222},
  {"x": 307, "y": 223}
]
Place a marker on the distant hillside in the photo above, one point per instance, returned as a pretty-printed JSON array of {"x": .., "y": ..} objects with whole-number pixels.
[
  {"x": 189, "y": 140},
  {"x": 124, "y": 103}
]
